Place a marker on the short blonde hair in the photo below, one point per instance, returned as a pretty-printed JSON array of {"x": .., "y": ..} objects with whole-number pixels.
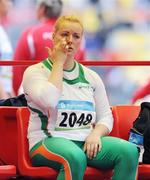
[{"x": 70, "y": 18}]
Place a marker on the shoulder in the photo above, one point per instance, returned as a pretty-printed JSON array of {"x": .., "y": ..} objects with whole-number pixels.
[
  {"x": 35, "y": 73},
  {"x": 93, "y": 77},
  {"x": 89, "y": 73},
  {"x": 35, "y": 68}
]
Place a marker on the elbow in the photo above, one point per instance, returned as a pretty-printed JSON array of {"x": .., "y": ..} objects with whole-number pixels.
[
  {"x": 50, "y": 102},
  {"x": 110, "y": 128},
  {"x": 47, "y": 97},
  {"x": 47, "y": 101},
  {"x": 107, "y": 122}
]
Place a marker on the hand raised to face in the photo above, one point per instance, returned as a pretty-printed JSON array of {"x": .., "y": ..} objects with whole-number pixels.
[{"x": 59, "y": 51}]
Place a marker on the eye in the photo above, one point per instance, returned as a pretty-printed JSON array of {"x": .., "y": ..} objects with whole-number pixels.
[
  {"x": 64, "y": 34},
  {"x": 77, "y": 36}
]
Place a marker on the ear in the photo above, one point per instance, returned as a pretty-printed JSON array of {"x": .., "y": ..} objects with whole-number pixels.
[{"x": 49, "y": 50}]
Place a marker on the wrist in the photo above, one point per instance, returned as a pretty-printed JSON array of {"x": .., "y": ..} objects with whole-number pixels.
[
  {"x": 58, "y": 59},
  {"x": 96, "y": 133},
  {"x": 58, "y": 64}
]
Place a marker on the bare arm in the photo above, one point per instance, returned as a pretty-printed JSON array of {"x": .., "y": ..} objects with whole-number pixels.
[
  {"x": 59, "y": 56},
  {"x": 100, "y": 130},
  {"x": 104, "y": 119},
  {"x": 56, "y": 75}
]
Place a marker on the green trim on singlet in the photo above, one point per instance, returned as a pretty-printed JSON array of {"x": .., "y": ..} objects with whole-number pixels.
[
  {"x": 48, "y": 63},
  {"x": 81, "y": 78},
  {"x": 72, "y": 68},
  {"x": 44, "y": 120},
  {"x": 67, "y": 129}
]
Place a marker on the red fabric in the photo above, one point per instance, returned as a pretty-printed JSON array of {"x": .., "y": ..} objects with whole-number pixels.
[
  {"x": 41, "y": 39},
  {"x": 141, "y": 92}
]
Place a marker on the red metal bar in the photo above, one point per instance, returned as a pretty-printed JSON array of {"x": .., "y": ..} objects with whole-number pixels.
[{"x": 87, "y": 63}]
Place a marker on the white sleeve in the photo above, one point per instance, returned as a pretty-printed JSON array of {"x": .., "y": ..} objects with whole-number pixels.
[
  {"x": 103, "y": 112},
  {"x": 39, "y": 89}
]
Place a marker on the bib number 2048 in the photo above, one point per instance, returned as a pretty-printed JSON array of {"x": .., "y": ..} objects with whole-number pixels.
[{"x": 72, "y": 119}]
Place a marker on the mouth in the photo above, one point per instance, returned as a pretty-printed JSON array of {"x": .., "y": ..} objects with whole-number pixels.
[{"x": 70, "y": 48}]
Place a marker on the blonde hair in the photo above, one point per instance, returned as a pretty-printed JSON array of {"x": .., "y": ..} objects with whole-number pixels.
[{"x": 69, "y": 18}]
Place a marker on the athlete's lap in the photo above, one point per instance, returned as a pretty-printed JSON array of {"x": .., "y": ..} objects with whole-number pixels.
[
  {"x": 63, "y": 147},
  {"x": 111, "y": 146},
  {"x": 112, "y": 149}
]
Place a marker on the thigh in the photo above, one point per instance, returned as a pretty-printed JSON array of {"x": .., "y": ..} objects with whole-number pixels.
[
  {"x": 113, "y": 149},
  {"x": 56, "y": 151}
]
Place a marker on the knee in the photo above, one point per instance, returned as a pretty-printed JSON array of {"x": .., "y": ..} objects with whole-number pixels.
[
  {"x": 129, "y": 154},
  {"x": 77, "y": 159},
  {"x": 77, "y": 164}
]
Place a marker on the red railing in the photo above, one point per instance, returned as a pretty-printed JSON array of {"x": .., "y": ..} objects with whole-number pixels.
[{"x": 87, "y": 63}]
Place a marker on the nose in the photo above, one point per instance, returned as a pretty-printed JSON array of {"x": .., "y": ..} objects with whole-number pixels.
[{"x": 69, "y": 39}]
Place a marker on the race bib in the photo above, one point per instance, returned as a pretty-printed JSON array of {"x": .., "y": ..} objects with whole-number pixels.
[{"x": 74, "y": 115}]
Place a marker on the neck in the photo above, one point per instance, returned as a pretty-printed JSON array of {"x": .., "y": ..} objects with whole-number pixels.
[{"x": 69, "y": 64}]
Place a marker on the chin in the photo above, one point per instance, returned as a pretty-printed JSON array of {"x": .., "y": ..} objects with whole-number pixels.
[{"x": 70, "y": 53}]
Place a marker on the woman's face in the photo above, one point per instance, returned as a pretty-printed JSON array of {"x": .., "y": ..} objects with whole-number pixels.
[{"x": 71, "y": 32}]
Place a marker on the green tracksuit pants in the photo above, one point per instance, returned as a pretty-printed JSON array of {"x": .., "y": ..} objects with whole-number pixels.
[{"x": 71, "y": 161}]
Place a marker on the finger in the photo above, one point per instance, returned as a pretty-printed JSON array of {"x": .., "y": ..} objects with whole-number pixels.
[
  {"x": 65, "y": 48},
  {"x": 62, "y": 45},
  {"x": 64, "y": 41},
  {"x": 66, "y": 44},
  {"x": 88, "y": 150},
  {"x": 59, "y": 45},
  {"x": 91, "y": 152},
  {"x": 96, "y": 149}
]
